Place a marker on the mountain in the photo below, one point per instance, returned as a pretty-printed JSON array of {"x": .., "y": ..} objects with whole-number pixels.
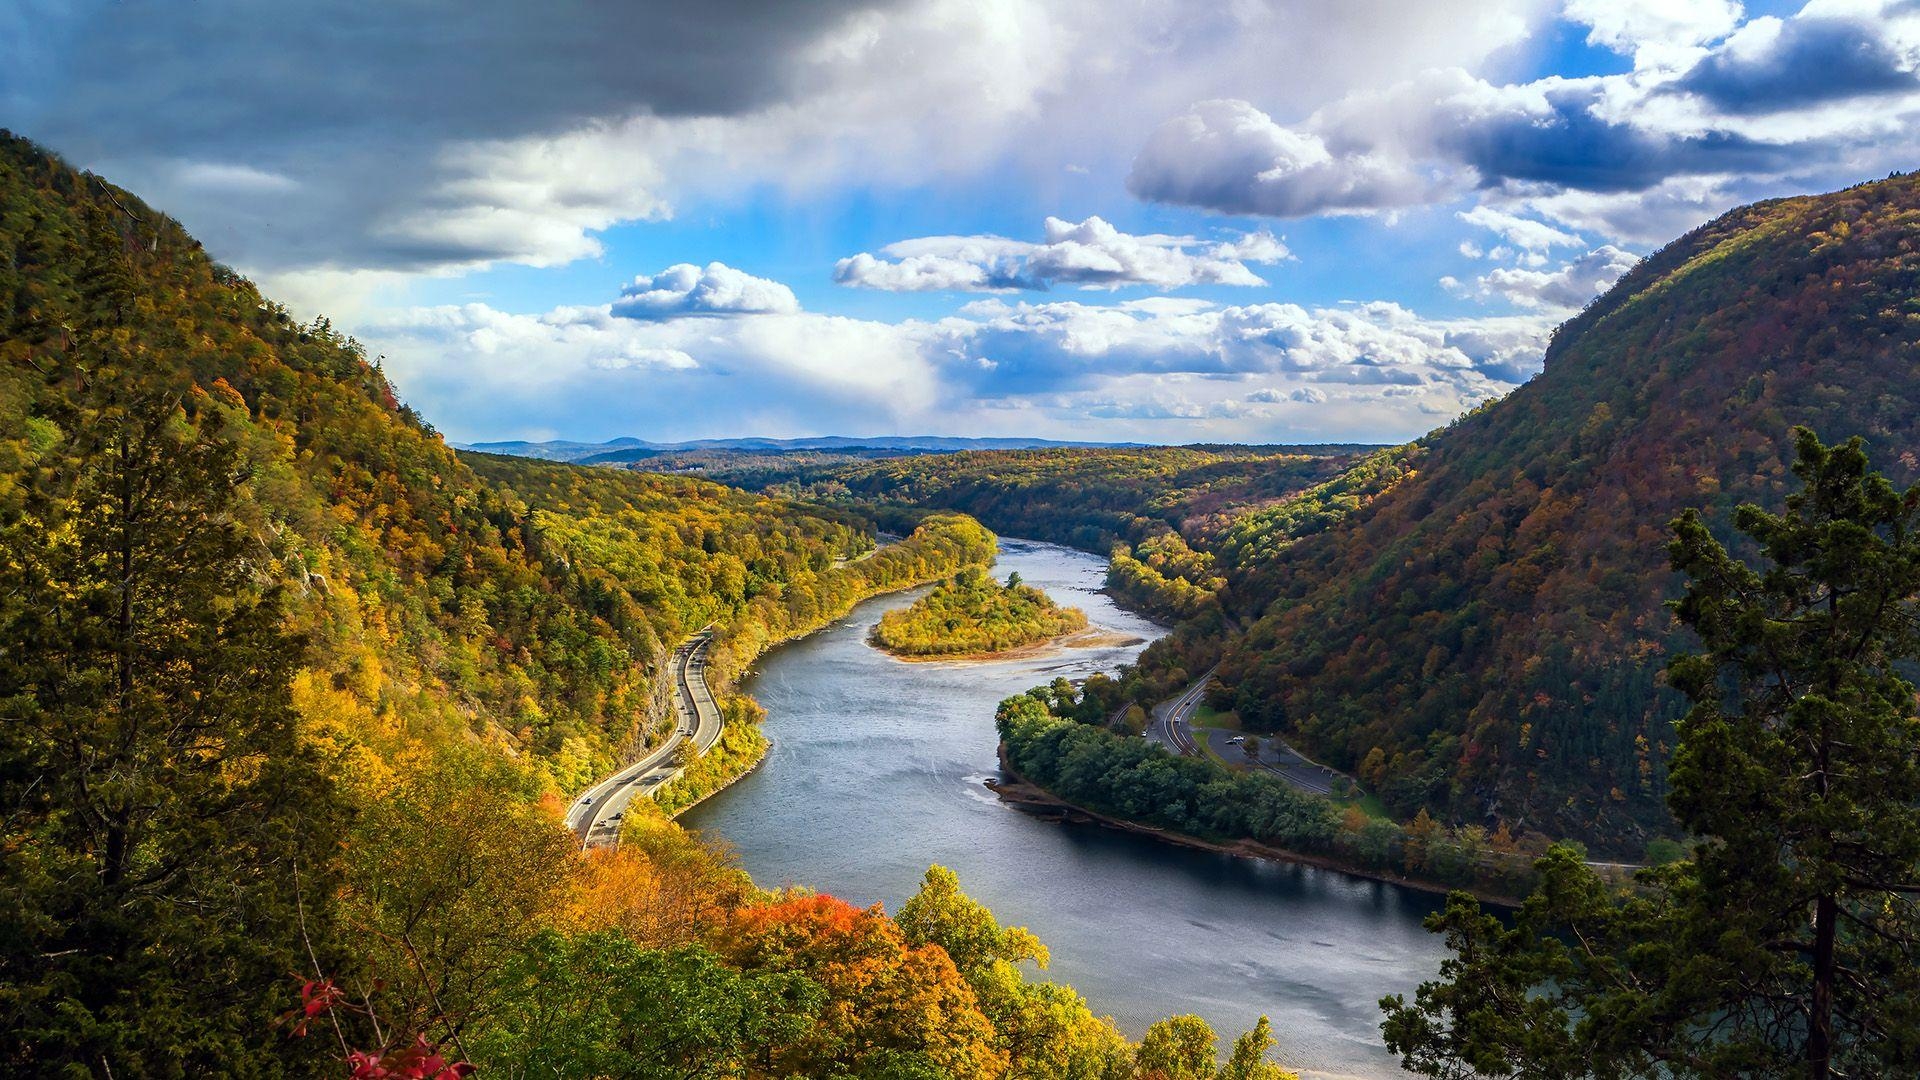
[
  {"x": 1488, "y": 635},
  {"x": 629, "y": 449},
  {"x": 439, "y": 600}
]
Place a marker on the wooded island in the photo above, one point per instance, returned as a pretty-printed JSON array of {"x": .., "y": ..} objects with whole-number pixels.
[{"x": 971, "y": 614}]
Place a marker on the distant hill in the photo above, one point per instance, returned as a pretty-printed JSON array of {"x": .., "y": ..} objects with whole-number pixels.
[
  {"x": 1487, "y": 637},
  {"x": 629, "y": 449}
]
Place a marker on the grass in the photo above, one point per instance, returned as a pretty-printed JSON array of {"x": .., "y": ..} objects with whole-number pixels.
[
  {"x": 1208, "y": 716},
  {"x": 1372, "y": 806}
]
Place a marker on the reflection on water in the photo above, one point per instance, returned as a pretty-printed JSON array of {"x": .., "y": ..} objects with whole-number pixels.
[{"x": 876, "y": 771}]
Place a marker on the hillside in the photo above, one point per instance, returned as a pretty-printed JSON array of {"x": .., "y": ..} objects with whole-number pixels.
[{"x": 1488, "y": 635}]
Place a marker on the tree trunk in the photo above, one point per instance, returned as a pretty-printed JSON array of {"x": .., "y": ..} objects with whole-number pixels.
[{"x": 1820, "y": 1021}]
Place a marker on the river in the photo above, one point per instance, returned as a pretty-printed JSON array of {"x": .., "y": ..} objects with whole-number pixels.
[{"x": 876, "y": 771}]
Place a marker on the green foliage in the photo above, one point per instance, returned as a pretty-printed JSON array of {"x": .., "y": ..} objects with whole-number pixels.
[
  {"x": 940, "y": 914},
  {"x": 1058, "y": 742},
  {"x": 598, "y": 1004},
  {"x": 1790, "y": 943},
  {"x": 740, "y": 747},
  {"x": 166, "y": 831},
  {"x": 971, "y": 614}
]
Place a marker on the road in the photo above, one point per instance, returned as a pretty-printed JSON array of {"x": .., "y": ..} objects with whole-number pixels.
[
  {"x": 595, "y": 816},
  {"x": 1172, "y": 727}
]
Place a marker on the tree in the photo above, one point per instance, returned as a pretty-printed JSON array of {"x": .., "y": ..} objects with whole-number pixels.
[
  {"x": 940, "y": 914},
  {"x": 599, "y": 1004},
  {"x": 168, "y": 854},
  {"x": 1248, "y": 1061},
  {"x": 1177, "y": 1048},
  {"x": 1791, "y": 940}
]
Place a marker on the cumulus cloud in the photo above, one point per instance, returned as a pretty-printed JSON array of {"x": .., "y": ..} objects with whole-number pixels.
[
  {"x": 1774, "y": 64},
  {"x": 1229, "y": 156},
  {"x": 1535, "y": 238},
  {"x": 1091, "y": 254},
  {"x": 715, "y": 289},
  {"x": 450, "y": 137},
  {"x": 1233, "y": 371},
  {"x": 1634, "y": 27},
  {"x": 1763, "y": 106},
  {"x": 1561, "y": 290}
]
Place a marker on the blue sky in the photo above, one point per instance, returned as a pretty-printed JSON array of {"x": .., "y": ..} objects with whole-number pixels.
[{"x": 1263, "y": 220}]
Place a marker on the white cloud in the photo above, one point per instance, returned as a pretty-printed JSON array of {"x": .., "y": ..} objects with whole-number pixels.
[
  {"x": 1227, "y": 155},
  {"x": 1258, "y": 371},
  {"x": 1561, "y": 290},
  {"x": 1533, "y": 237},
  {"x": 521, "y": 143},
  {"x": 716, "y": 289},
  {"x": 1091, "y": 254},
  {"x": 230, "y": 178},
  {"x": 1654, "y": 31},
  {"x": 1715, "y": 109}
]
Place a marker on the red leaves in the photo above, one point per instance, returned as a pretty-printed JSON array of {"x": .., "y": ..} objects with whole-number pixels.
[
  {"x": 420, "y": 1060},
  {"x": 417, "y": 1060}
]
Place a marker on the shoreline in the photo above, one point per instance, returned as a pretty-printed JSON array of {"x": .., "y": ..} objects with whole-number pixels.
[
  {"x": 765, "y": 753},
  {"x": 1089, "y": 637},
  {"x": 1026, "y": 796}
]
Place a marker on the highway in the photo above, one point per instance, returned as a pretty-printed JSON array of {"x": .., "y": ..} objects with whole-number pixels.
[
  {"x": 1172, "y": 727},
  {"x": 595, "y": 816}
]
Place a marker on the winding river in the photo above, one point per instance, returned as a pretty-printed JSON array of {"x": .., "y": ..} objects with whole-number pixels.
[{"x": 876, "y": 771}]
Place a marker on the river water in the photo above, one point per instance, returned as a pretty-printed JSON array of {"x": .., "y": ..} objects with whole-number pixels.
[{"x": 876, "y": 771}]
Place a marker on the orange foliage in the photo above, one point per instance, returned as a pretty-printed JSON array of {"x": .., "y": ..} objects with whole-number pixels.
[{"x": 884, "y": 994}]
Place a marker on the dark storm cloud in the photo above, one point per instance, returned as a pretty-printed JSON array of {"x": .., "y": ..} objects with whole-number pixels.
[
  {"x": 1812, "y": 61},
  {"x": 160, "y": 72},
  {"x": 1572, "y": 146},
  {"x": 347, "y": 110}
]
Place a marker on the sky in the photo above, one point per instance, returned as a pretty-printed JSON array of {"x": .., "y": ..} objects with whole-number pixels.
[{"x": 1126, "y": 220}]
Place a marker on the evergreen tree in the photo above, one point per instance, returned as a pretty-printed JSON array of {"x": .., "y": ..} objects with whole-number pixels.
[
  {"x": 1790, "y": 943},
  {"x": 167, "y": 841}
]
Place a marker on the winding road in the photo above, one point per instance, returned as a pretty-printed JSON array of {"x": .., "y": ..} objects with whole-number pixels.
[
  {"x": 595, "y": 816},
  {"x": 1173, "y": 728}
]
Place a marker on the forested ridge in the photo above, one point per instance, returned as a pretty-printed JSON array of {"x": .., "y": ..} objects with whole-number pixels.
[
  {"x": 1157, "y": 511},
  {"x": 1487, "y": 637},
  {"x": 293, "y": 694}
]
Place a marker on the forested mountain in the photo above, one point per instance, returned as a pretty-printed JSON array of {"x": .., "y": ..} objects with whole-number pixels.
[
  {"x": 431, "y": 592},
  {"x": 1488, "y": 636}
]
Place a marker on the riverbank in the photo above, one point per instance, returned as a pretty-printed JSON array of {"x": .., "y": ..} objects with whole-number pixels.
[
  {"x": 1023, "y": 794},
  {"x": 766, "y": 747},
  {"x": 1092, "y": 637}
]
